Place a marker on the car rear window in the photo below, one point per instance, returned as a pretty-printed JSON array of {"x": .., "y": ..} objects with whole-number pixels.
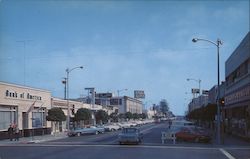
[{"x": 129, "y": 130}]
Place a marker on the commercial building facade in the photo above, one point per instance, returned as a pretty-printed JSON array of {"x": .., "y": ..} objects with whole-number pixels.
[
  {"x": 237, "y": 93},
  {"x": 28, "y": 107},
  {"x": 25, "y": 107},
  {"x": 127, "y": 104}
]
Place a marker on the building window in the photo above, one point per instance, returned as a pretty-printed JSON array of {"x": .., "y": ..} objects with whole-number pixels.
[
  {"x": 7, "y": 118},
  {"x": 7, "y": 93},
  {"x": 238, "y": 73},
  {"x": 38, "y": 119},
  {"x": 113, "y": 101}
]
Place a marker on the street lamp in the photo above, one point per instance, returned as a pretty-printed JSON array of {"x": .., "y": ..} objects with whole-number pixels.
[
  {"x": 217, "y": 44},
  {"x": 197, "y": 80},
  {"x": 67, "y": 82},
  {"x": 118, "y": 91},
  {"x": 64, "y": 81}
]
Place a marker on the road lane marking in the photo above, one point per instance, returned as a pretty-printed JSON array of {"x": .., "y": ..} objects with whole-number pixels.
[
  {"x": 103, "y": 145},
  {"x": 229, "y": 156},
  {"x": 147, "y": 129}
]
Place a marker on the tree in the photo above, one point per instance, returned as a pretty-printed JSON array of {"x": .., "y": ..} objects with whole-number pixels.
[
  {"x": 135, "y": 116},
  {"x": 128, "y": 115},
  {"x": 121, "y": 116},
  {"x": 83, "y": 114},
  {"x": 203, "y": 114},
  {"x": 101, "y": 116},
  {"x": 143, "y": 115},
  {"x": 114, "y": 117},
  {"x": 164, "y": 108},
  {"x": 56, "y": 114}
]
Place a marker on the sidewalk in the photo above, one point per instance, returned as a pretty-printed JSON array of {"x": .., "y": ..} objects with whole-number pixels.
[
  {"x": 230, "y": 141},
  {"x": 35, "y": 139}
]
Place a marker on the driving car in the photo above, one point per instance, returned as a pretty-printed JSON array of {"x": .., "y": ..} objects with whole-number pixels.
[
  {"x": 192, "y": 134},
  {"x": 130, "y": 135},
  {"x": 86, "y": 130}
]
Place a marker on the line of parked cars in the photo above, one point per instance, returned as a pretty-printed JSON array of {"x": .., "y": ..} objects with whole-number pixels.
[
  {"x": 107, "y": 127},
  {"x": 86, "y": 130}
]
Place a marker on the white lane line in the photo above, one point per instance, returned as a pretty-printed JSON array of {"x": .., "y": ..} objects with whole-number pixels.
[
  {"x": 126, "y": 146},
  {"x": 147, "y": 129},
  {"x": 229, "y": 156}
]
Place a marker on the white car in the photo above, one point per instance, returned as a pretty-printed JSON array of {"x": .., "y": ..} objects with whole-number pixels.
[
  {"x": 111, "y": 127},
  {"x": 139, "y": 122},
  {"x": 132, "y": 123},
  {"x": 123, "y": 124}
]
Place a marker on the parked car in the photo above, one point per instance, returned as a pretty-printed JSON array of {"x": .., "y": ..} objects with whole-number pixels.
[
  {"x": 111, "y": 127},
  {"x": 87, "y": 130},
  {"x": 192, "y": 134},
  {"x": 132, "y": 123},
  {"x": 130, "y": 135},
  {"x": 123, "y": 124}
]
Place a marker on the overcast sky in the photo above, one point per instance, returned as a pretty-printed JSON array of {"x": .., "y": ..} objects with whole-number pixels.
[{"x": 140, "y": 45}]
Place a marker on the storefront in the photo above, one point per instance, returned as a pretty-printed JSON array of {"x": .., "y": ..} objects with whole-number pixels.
[
  {"x": 237, "y": 93},
  {"x": 25, "y": 107},
  {"x": 238, "y": 112}
]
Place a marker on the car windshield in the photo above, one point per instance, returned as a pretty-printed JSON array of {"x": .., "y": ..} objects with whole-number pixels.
[
  {"x": 125, "y": 79},
  {"x": 129, "y": 130}
]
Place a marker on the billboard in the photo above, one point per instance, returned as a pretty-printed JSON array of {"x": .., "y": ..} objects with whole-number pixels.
[
  {"x": 139, "y": 94},
  {"x": 195, "y": 90},
  {"x": 205, "y": 92}
]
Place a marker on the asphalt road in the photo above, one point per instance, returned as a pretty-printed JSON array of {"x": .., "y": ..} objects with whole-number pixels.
[{"x": 105, "y": 146}]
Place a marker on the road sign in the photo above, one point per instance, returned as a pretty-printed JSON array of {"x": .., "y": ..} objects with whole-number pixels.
[
  {"x": 205, "y": 92},
  {"x": 195, "y": 90}
]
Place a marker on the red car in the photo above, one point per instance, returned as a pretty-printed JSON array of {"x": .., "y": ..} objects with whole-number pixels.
[{"x": 193, "y": 134}]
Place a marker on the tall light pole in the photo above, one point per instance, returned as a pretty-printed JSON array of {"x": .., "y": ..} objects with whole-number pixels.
[
  {"x": 217, "y": 44},
  {"x": 64, "y": 81},
  {"x": 24, "y": 58},
  {"x": 118, "y": 91},
  {"x": 67, "y": 82},
  {"x": 197, "y": 80}
]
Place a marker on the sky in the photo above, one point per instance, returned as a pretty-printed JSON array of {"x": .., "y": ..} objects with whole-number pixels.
[{"x": 134, "y": 45}]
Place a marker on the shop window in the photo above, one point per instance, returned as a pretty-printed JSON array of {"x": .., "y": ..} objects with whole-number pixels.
[
  {"x": 37, "y": 119},
  {"x": 7, "y": 118}
]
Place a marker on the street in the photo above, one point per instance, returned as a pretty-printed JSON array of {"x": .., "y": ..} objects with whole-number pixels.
[{"x": 106, "y": 146}]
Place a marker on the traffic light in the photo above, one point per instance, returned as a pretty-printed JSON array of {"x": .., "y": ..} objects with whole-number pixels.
[{"x": 222, "y": 102}]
